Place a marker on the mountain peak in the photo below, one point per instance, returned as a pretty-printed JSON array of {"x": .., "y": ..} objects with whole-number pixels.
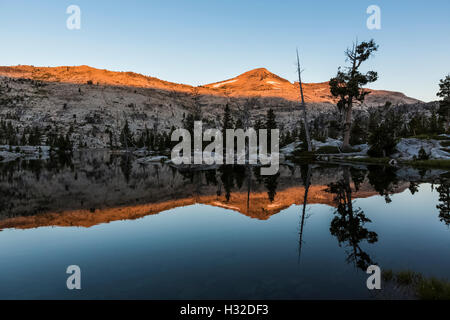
[
  {"x": 258, "y": 71},
  {"x": 261, "y": 74},
  {"x": 258, "y": 80}
]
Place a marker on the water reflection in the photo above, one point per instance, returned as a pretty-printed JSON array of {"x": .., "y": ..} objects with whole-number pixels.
[
  {"x": 384, "y": 180},
  {"x": 348, "y": 224},
  {"x": 307, "y": 217},
  {"x": 444, "y": 202},
  {"x": 306, "y": 177},
  {"x": 100, "y": 181}
]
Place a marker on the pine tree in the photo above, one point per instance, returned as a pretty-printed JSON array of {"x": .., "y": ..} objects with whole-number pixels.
[
  {"x": 239, "y": 124},
  {"x": 258, "y": 124},
  {"x": 23, "y": 140},
  {"x": 126, "y": 136},
  {"x": 381, "y": 142},
  {"x": 358, "y": 134},
  {"x": 416, "y": 126},
  {"x": 271, "y": 122},
  {"x": 189, "y": 123},
  {"x": 140, "y": 143},
  {"x": 348, "y": 85},
  {"x": 444, "y": 105},
  {"x": 423, "y": 155},
  {"x": 433, "y": 124},
  {"x": 286, "y": 138},
  {"x": 35, "y": 137},
  {"x": 227, "y": 122},
  {"x": 150, "y": 139},
  {"x": 111, "y": 139}
]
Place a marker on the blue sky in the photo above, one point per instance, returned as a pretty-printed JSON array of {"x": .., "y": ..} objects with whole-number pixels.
[{"x": 203, "y": 41}]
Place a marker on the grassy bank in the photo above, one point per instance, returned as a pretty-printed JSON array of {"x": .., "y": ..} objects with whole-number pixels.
[
  {"x": 424, "y": 288},
  {"x": 437, "y": 164},
  {"x": 369, "y": 160}
]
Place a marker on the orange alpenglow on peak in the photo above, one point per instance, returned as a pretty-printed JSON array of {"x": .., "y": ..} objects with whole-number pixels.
[
  {"x": 258, "y": 207},
  {"x": 256, "y": 79},
  {"x": 258, "y": 82}
]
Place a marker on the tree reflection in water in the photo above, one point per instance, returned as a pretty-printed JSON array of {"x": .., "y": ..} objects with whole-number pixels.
[
  {"x": 65, "y": 183},
  {"x": 126, "y": 166},
  {"x": 271, "y": 183},
  {"x": 348, "y": 224},
  {"x": 226, "y": 176},
  {"x": 444, "y": 205},
  {"x": 413, "y": 187},
  {"x": 384, "y": 180},
  {"x": 306, "y": 177}
]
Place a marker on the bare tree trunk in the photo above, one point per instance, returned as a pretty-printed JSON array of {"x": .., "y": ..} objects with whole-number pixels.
[
  {"x": 347, "y": 127},
  {"x": 305, "y": 117}
]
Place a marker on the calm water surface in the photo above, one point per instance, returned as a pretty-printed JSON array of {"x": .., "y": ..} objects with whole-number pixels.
[{"x": 147, "y": 230}]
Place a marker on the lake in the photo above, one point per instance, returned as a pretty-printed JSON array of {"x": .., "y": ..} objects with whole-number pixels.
[{"x": 152, "y": 231}]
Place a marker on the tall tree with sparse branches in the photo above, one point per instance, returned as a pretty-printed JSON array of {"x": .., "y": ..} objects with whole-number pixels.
[
  {"x": 348, "y": 84},
  {"x": 444, "y": 104}
]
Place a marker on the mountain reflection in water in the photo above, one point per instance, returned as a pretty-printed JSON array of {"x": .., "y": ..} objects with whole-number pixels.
[{"x": 95, "y": 188}]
